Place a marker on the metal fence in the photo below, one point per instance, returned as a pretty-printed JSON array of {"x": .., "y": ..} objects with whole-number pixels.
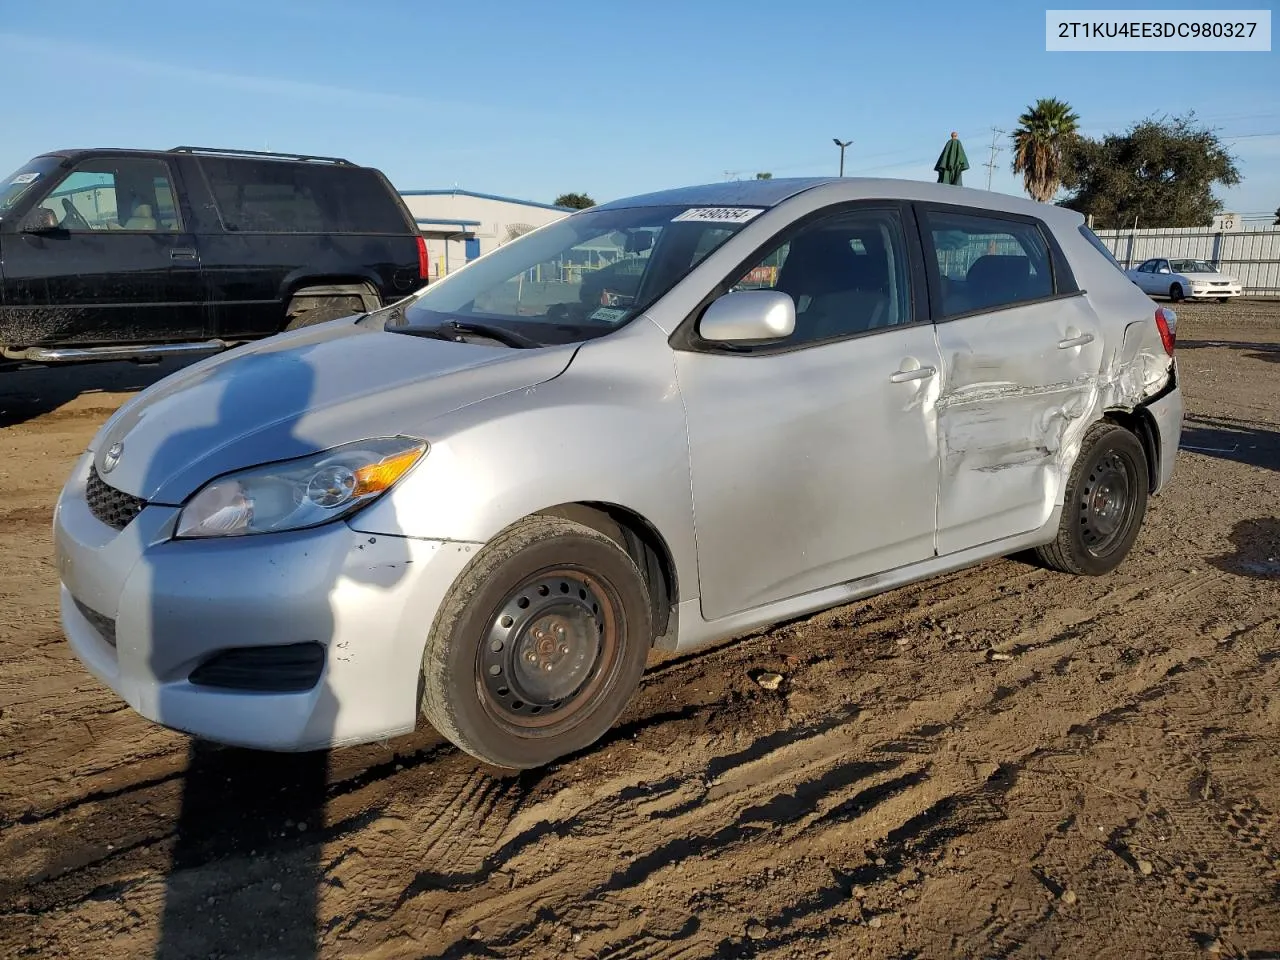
[{"x": 1251, "y": 253}]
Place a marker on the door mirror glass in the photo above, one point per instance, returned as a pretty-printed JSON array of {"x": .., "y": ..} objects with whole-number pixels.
[
  {"x": 40, "y": 220},
  {"x": 750, "y": 315}
]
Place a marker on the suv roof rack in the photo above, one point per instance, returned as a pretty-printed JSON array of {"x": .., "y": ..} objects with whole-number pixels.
[{"x": 261, "y": 153}]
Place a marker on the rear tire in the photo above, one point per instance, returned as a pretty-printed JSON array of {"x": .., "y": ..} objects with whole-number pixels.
[
  {"x": 310, "y": 306},
  {"x": 538, "y": 646},
  {"x": 1105, "y": 503}
]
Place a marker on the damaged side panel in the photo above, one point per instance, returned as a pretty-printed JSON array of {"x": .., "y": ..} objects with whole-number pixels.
[{"x": 1020, "y": 388}]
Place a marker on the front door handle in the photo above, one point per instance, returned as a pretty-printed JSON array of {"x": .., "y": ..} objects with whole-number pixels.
[
  {"x": 919, "y": 373},
  {"x": 182, "y": 253},
  {"x": 1079, "y": 340}
]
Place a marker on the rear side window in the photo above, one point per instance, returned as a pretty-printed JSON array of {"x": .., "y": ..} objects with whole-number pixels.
[
  {"x": 988, "y": 262},
  {"x": 1102, "y": 249},
  {"x": 265, "y": 196}
]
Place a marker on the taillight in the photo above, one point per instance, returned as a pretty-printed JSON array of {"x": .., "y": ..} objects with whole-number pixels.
[
  {"x": 423, "y": 266},
  {"x": 1167, "y": 324}
]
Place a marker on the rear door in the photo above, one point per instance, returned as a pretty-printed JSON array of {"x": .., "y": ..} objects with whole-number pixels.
[
  {"x": 1021, "y": 350},
  {"x": 281, "y": 225},
  {"x": 121, "y": 265}
]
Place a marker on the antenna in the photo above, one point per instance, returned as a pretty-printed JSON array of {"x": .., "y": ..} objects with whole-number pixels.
[
  {"x": 996, "y": 134},
  {"x": 733, "y": 174}
]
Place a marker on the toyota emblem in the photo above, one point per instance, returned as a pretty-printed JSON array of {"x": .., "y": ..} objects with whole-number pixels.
[{"x": 112, "y": 456}]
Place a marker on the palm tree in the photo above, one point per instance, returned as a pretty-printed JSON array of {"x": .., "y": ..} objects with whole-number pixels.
[{"x": 1044, "y": 132}]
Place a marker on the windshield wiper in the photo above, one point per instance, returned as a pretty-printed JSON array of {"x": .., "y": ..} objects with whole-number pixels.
[{"x": 494, "y": 332}]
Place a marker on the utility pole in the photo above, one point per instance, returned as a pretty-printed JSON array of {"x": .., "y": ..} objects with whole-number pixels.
[
  {"x": 841, "y": 144},
  {"x": 996, "y": 134}
]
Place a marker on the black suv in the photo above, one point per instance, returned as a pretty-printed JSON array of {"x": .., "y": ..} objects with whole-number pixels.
[{"x": 136, "y": 254}]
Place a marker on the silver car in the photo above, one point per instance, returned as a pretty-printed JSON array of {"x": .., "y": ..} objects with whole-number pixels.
[{"x": 657, "y": 422}]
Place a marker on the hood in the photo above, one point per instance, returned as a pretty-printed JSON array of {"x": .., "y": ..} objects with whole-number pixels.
[{"x": 298, "y": 394}]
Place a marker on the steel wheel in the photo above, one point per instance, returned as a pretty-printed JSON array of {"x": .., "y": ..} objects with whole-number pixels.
[
  {"x": 538, "y": 645},
  {"x": 1107, "y": 503},
  {"x": 551, "y": 645}
]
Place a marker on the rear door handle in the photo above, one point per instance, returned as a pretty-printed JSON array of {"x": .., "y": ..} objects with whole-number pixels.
[
  {"x": 919, "y": 373},
  {"x": 1076, "y": 341},
  {"x": 182, "y": 253}
]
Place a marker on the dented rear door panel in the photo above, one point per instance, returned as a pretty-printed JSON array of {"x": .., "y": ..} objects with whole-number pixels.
[{"x": 1019, "y": 386}]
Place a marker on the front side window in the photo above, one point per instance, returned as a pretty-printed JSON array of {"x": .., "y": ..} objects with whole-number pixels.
[
  {"x": 847, "y": 275},
  {"x": 111, "y": 194},
  {"x": 988, "y": 262},
  {"x": 580, "y": 277}
]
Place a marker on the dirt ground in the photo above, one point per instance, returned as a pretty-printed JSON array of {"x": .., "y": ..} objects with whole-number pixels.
[{"x": 1003, "y": 762}]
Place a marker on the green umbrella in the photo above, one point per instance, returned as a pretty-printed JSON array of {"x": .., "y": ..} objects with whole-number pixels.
[{"x": 952, "y": 162}]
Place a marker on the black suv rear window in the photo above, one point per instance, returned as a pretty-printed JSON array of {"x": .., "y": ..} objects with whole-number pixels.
[{"x": 267, "y": 196}]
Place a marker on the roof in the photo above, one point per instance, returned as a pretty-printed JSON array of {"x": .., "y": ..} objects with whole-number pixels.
[
  {"x": 769, "y": 193},
  {"x": 432, "y": 221},
  {"x": 483, "y": 196}
]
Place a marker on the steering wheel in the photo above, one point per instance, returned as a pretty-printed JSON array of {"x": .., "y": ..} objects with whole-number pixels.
[{"x": 73, "y": 217}]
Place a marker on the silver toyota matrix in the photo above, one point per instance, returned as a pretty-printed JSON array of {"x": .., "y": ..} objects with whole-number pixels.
[{"x": 657, "y": 422}]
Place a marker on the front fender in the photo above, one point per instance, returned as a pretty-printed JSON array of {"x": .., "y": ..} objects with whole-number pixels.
[{"x": 610, "y": 429}]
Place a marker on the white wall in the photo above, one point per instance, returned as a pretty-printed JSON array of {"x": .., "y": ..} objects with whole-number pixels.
[{"x": 491, "y": 220}]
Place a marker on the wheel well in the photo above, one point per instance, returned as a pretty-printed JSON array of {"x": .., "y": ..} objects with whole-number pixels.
[
  {"x": 1140, "y": 423},
  {"x": 334, "y": 287},
  {"x": 642, "y": 542}
]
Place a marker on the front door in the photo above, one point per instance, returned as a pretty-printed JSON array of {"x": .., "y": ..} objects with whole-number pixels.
[
  {"x": 1021, "y": 356},
  {"x": 116, "y": 264},
  {"x": 814, "y": 460}
]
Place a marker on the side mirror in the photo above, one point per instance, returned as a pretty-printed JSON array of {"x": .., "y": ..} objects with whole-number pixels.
[
  {"x": 40, "y": 220},
  {"x": 749, "y": 315}
]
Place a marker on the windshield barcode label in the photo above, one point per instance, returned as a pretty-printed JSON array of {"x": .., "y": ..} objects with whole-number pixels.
[{"x": 718, "y": 214}]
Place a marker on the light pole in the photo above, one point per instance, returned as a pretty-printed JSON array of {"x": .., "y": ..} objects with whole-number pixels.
[{"x": 841, "y": 144}]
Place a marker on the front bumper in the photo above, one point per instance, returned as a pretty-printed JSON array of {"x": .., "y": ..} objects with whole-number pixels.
[
  {"x": 1213, "y": 293},
  {"x": 169, "y": 605}
]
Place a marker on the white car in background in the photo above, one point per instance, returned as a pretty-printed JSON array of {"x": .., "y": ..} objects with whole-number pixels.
[{"x": 1184, "y": 279}]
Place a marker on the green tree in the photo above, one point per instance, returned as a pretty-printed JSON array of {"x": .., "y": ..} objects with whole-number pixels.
[
  {"x": 578, "y": 201},
  {"x": 1277, "y": 216},
  {"x": 1045, "y": 133},
  {"x": 764, "y": 176},
  {"x": 1160, "y": 172}
]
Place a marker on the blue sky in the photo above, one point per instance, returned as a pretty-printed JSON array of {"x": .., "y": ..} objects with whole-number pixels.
[{"x": 533, "y": 99}]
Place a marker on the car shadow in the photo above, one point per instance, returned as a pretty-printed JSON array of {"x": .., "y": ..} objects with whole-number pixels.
[
  {"x": 30, "y": 392},
  {"x": 1227, "y": 438},
  {"x": 1257, "y": 550},
  {"x": 245, "y": 874}
]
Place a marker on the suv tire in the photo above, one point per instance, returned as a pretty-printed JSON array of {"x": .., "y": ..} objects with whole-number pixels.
[{"x": 312, "y": 305}]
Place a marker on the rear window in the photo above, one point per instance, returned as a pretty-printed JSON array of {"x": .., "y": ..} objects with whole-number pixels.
[
  {"x": 265, "y": 196},
  {"x": 1100, "y": 246}
]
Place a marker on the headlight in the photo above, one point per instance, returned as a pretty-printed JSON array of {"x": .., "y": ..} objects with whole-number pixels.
[{"x": 295, "y": 494}]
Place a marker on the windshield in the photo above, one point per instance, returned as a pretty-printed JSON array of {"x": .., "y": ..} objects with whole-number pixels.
[
  {"x": 1192, "y": 266},
  {"x": 580, "y": 277},
  {"x": 22, "y": 180}
]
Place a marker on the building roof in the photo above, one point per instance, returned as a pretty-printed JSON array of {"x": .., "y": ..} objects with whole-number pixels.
[
  {"x": 431, "y": 221},
  {"x": 482, "y": 196}
]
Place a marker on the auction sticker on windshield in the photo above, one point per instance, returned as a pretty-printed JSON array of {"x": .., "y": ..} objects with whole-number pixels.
[
  {"x": 608, "y": 314},
  {"x": 25, "y": 178},
  {"x": 718, "y": 214}
]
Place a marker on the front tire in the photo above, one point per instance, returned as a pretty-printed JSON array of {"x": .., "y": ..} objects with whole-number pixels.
[
  {"x": 538, "y": 646},
  {"x": 1176, "y": 293},
  {"x": 1105, "y": 503}
]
